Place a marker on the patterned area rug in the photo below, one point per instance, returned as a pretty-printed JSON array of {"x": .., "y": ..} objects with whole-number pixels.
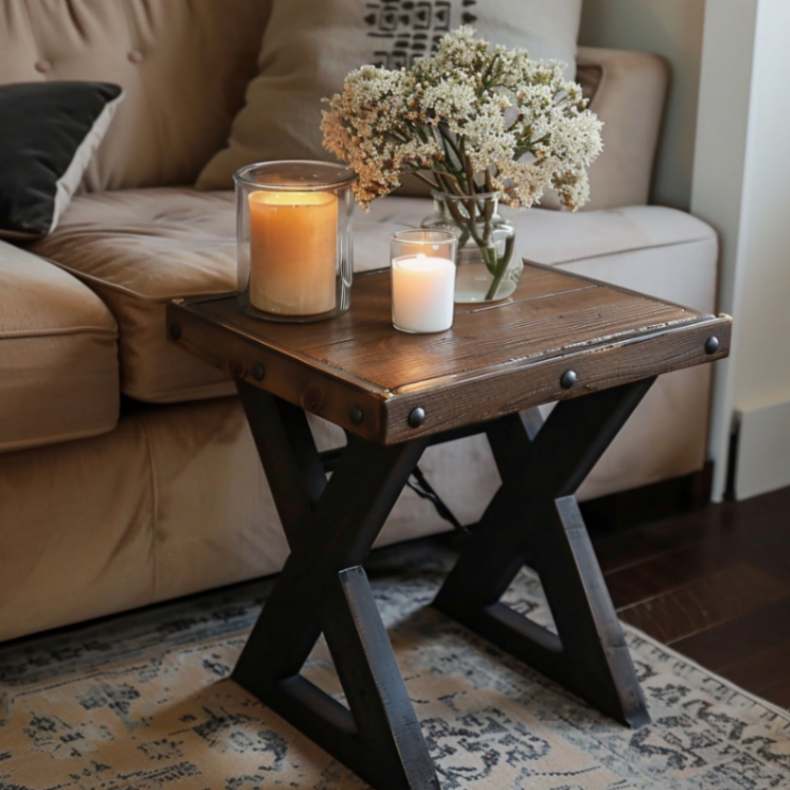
[{"x": 143, "y": 701}]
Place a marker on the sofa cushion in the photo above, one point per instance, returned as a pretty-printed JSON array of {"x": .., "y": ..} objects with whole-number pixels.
[
  {"x": 58, "y": 355},
  {"x": 140, "y": 248},
  {"x": 542, "y": 235},
  {"x": 309, "y": 48},
  {"x": 183, "y": 66}
]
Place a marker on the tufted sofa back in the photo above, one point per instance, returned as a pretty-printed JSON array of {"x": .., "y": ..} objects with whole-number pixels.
[{"x": 184, "y": 65}]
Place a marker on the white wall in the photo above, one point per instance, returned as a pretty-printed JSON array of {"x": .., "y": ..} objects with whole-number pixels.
[
  {"x": 742, "y": 187},
  {"x": 672, "y": 28},
  {"x": 763, "y": 370},
  {"x": 725, "y": 155}
]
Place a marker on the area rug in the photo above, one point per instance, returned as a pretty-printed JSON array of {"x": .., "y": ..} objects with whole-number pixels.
[{"x": 143, "y": 701}]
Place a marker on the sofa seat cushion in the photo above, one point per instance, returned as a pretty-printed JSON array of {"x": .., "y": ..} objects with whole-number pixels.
[
  {"x": 140, "y": 248},
  {"x": 58, "y": 355},
  {"x": 542, "y": 235}
]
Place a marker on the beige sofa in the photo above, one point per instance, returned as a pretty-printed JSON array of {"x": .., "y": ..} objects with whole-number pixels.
[{"x": 127, "y": 472}]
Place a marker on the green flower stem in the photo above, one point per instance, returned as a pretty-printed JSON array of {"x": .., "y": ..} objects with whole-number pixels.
[
  {"x": 495, "y": 281},
  {"x": 491, "y": 260},
  {"x": 501, "y": 268},
  {"x": 496, "y": 266},
  {"x": 460, "y": 183}
]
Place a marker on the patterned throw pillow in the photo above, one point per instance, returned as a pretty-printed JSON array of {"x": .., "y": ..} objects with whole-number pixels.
[{"x": 309, "y": 47}]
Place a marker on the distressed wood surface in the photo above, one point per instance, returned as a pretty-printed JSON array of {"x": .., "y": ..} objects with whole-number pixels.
[{"x": 360, "y": 373}]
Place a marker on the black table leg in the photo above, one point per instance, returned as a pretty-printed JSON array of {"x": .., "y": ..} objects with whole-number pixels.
[
  {"x": 330, "y": 528},
  {"x": 534, "y": 519}
]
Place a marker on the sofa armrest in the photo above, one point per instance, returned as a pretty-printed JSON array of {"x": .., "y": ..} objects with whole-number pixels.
[
  {"x": 58, "y": 355},
  {"x": 628, "y": 92}
]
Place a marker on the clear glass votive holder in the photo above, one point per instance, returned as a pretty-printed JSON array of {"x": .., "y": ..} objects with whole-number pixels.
[
  {"x": 294, "y": 251},
  {"x": 423, "y": 280}
]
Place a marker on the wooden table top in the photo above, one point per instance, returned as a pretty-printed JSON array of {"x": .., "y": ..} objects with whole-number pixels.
[{"x": 360, "y": 373}]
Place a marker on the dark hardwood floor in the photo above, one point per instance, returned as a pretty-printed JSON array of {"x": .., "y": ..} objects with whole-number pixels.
[{"x": 713, "y": 584}]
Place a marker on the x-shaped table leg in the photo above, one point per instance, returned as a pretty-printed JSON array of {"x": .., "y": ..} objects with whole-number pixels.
[
  {"x": 331, "y": 527},
  {"x": 534, "y": 519}
]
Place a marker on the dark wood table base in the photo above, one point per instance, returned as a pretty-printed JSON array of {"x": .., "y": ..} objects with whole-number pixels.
[
  {"x": 593, "y": 346},
  {"x": 331, "y": 526}
]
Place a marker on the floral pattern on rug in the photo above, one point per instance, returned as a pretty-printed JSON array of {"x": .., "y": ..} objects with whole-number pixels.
[{"x": 144, "y": 701}]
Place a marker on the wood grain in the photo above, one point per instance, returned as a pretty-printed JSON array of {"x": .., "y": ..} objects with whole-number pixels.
[
  {"x": 717, "y": 583},
  {"x": 734, "y": 646},
  {"x": 704, "y": 603},
  {"x": 666, "y": 572},
  {"x": 309, "y": 386},
  {"x": 496, "y": 359}
]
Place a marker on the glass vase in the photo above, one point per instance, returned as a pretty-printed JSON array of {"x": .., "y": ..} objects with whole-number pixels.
[
  {"x": 294, "y": 252},
  {"x": 486, "y": 269}
]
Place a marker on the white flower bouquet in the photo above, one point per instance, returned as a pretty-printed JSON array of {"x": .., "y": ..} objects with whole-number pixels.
[{"x": 476, "y": 123}]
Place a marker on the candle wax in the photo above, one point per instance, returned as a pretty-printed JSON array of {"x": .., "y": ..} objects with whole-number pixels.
[
  {"x": 293, "y": 252},
  {"x": 422, "y": 293}
]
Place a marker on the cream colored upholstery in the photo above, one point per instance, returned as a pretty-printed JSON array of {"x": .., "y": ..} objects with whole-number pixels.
[
  {"x": 137, "y": 249},
  {"x": 140, "y": 248},
  {"x": 183, "y": 66},
  {"x": 184, "y": 506},
  {"x": 553, "y": 237},
  {"x": 58, "y": 355},
  {"x": 310, "y": 47},
  {"x": 628, "y": 90},
  {"x": 172, "y": 501}
]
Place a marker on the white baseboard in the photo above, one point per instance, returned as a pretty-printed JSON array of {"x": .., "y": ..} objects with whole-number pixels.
[{"x": 763, "y": 454}]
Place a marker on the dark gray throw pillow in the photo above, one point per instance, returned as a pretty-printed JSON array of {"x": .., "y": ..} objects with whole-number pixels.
[{"x": 48, "y": 134}]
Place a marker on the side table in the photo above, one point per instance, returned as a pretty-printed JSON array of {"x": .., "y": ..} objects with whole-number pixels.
[{"x": 593, "y": 347}]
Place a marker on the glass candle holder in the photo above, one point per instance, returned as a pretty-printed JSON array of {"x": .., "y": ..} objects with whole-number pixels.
[
  {"x": 293, "y": 224},
  {"x": 423, "y": 280}
]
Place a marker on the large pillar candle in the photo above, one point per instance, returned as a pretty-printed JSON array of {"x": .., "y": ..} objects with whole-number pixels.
[
  {"x": 293, "y": 252},
  {"x": 422, "y": 293}
]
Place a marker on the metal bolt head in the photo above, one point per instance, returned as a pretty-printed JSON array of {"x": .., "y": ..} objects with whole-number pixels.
[
  {"x": 568, "y": 379},
  {"x": 175, "y": 331},
  {"x": 712, "y": 345},
  {"x": 258, "y": 371},
  {"x": 357, "y": 415},
  {"x": 416, "y": 417}
]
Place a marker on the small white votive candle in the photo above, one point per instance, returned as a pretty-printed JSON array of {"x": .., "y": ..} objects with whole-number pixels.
[
  {"x": 422, "y": 293},
  {"x": 423, "y": 280}
]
